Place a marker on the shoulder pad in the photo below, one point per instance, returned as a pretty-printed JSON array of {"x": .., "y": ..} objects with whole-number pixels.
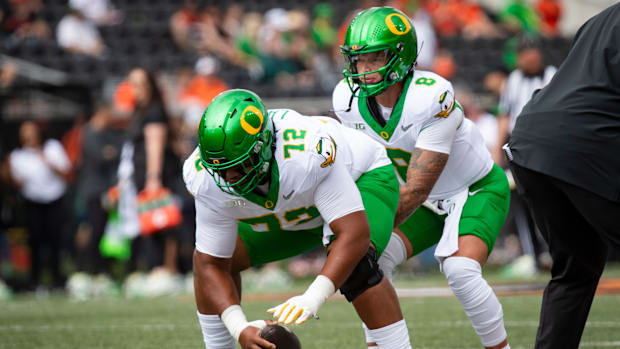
[{"x": 193, "y": 173}]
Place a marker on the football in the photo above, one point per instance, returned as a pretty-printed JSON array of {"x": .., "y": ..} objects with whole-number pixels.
[{"x": 281, "y": 336}]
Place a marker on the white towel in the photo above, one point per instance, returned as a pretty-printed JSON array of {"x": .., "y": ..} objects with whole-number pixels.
[
  {"x": 127, "y": 202},
  {"x": 449, "y": 242}
]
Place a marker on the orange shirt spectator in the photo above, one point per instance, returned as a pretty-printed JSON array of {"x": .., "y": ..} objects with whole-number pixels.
[
  {"x": 205, "y": 85},
  {"x": 550, "y": 12},
  {"x": 203, "y": 89}
]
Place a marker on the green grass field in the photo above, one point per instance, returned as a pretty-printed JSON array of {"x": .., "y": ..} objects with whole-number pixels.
[{"x": 434, "y": 322}]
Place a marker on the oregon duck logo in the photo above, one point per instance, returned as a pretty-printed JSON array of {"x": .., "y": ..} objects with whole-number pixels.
[
  {"x": 251, "y": 120},
  {"x": 397, "y": 28},
  {"x": 447, "y": 102},
  {"x": 327, "y": 149}
]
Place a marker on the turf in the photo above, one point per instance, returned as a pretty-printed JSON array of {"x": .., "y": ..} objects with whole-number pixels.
[
  {"x": 170, "y": 322},
  {"x": 434, "y": 322}
]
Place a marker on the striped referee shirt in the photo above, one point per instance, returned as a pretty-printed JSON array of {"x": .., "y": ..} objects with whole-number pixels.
[{"x": 519, "y": 90}]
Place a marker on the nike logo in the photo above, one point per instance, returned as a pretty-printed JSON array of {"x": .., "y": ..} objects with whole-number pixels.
[
  {"x": 286, "y": 197},
  {"x": 406, "y": 128},
  {"x": 472, "y": 193}
]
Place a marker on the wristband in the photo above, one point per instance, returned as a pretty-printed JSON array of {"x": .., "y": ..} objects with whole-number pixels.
[
  {"x": 320, "y": 289},
  {"x": 235, "y": 320}
]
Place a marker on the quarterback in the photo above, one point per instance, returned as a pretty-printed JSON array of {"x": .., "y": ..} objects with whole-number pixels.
[
  {"x": 269, "y": 185},
  {"x": 451, "y": 193}
]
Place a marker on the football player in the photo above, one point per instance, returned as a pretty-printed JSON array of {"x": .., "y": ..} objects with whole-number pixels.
[
  {"x": 269, "y": 185},
  {"x": 440, "y": 158}
]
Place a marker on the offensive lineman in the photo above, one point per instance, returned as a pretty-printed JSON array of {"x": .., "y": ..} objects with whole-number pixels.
[
  {"x": 271, "y": 185},
  {"x": 439, "y": 156}
]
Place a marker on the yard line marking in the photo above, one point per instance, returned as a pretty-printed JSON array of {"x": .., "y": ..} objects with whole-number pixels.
[
  {"x": 600, "y": 344},
  {"x": 413, "y": 324}
]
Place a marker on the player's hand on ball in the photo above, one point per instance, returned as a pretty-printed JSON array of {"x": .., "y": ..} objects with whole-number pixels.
[
  {"x": 250, "y": 336},
  {"x": 281, "y": 336},
  {"x": 299, "y": 308}
]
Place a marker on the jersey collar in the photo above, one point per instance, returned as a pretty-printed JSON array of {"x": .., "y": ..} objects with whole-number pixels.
[
  {"x": 270, "y": 201},
  {"x": 388, "y": 130}
]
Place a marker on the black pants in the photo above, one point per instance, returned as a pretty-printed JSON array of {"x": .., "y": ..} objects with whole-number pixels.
[
  {"x": 45, "y": 227},
  {"x": 578, "y": 226},
  {"x": 88, "y": 257}
]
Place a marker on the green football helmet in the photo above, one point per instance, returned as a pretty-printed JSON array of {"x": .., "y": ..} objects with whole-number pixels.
[
  {"x": 236, "y": 131},
  {"x": 380, "y": 29}
]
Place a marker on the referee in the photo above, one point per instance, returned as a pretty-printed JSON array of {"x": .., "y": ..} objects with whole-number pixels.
[{"x": 565, "y": 158}]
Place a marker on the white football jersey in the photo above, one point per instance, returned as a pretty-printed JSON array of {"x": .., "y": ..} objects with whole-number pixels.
[
  {"x": 315, "y": 165},
  {"x": 427, "y": 116}
]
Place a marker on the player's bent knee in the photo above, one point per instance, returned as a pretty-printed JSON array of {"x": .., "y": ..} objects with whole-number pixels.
[
  {"x": 365, "y": 275},
  {"x": 477, "y": 298},
  {"x": 394, "y": 254}
]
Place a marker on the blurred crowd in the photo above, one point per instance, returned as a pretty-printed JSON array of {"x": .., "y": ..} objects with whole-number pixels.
[{"x": 59, "y": 191}]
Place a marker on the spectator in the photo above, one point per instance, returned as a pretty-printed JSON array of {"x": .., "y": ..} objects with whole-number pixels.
[
  {"x": 8, "y": 73},
  {"x": 286, "y": 48},
  {"x": 495, "y": 81},
  {"x": 247, "y": 40},
  {"x": 155, "y": 165},
  {"x": 39, "y": 169},
  {"x": 215, "y": 40},
  {"x": 184, "y": 25},
  {"x": 196, "y": 91},
  {"x": 324, "y": 34},
  {"x": 486, "y": 122},
  {"x": 453, "y": 17},
  {"x": 20, "y": 20},
  {"x": 323, "y": 31},
  {"x": 97, "y": 171},
  {"x": 77, "y": 34},
  {"x": 531, "y": 74},
  {"x": 231, "y": 23},
  {"x": 444, "y": 64},
  {"x": 204, "y": 86},
  {"x": 100, "y": 12},
  {"x": 518, "y": 16},
  {"x": 550, "y": 12}
]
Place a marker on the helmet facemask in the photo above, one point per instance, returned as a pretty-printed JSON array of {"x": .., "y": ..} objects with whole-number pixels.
[
  {"x": 236, "y": 138},
  {"x": 379, "y": 29},
  {"x": 353, "y": 77},
  {"x": 253, "y": 164}
]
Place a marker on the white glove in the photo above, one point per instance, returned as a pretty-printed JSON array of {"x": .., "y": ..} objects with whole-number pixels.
[{"x": 302, "y": 307}]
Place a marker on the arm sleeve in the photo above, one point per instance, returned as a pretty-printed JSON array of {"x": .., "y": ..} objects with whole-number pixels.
[
  {"x": 337, "y": 195},
  {"x": 216, "y": 235}
]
